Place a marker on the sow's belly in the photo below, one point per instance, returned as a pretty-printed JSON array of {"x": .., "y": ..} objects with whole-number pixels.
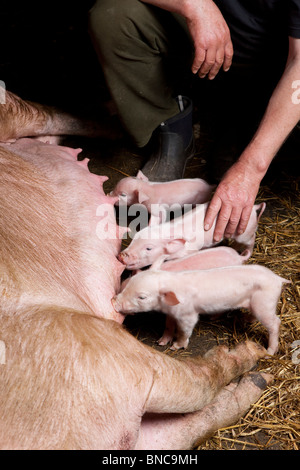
[{"x": 77, "y": 223}]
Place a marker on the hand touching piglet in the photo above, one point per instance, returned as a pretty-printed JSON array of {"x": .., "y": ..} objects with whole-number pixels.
[{"x": 181, "y": 237}]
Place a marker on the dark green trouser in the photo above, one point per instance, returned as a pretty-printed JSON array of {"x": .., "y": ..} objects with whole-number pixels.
[{"x": 144, "y": 52}]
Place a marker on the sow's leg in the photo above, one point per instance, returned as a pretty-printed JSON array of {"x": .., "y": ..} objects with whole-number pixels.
[
  {"x": 194, "y": 392},
  {"x": 219, "y": 405},
  {"x": 181, "y": 432},
  {"x": 202, "y": 378},
  {"x": 19, "y": 118},
  {"x": 74, "y": 381}
]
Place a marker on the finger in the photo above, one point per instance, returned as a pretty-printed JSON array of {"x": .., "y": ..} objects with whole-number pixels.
[
  {"x": 199, "y": 58},
  {"x": 233, "y": 222},
  {"x": 219, "y": 59},
  {"x": 210, "y": 59},
  {"x": 228, "y": 55},
  {"x": 222, "y": 221},
  {"x": 244, "y": 219},
  {"x": 212, "y": 212}
]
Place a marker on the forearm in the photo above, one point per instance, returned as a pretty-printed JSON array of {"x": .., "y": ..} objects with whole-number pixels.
[
  {"x": 174, "y": 6},
  {"x": 185, "y": 8},
  {"x": 234, "y": 197},
  {"x": 281, "y": 116}
]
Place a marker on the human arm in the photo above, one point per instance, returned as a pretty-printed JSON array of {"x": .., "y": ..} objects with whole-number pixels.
[
  {"x": 235, "y": 195},
  {"x": 209, "y": 32}
]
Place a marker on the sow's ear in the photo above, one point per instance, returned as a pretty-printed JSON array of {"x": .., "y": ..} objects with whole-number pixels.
[
  {"x": 169, "y": 298},
  {"x": 175, "y": 245}
]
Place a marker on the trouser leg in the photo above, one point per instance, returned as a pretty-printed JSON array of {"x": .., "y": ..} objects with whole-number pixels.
[{"x": 144, "y": 52}]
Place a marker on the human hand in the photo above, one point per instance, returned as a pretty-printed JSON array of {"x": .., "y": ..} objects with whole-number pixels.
[
  {"x": 211, "y": 36},
  {"x": 233, "y": 201}
]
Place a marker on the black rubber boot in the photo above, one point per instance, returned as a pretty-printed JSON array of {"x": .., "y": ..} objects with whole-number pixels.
[{"x": 173, "y": 145}]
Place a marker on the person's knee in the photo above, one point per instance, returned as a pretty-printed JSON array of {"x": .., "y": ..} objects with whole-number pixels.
[
  {"x": 102, "y": 18},
  {"x": 108, "y": 19}
]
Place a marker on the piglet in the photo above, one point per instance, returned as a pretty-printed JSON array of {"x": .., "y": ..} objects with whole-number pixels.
[
  {"x": 217, "y": 257},
  {"x": 181, "y": 237},
  {"x": 158, "y": 198},
  {"x": 210, "y": 258},
  {"x": 186, "y": 294}
]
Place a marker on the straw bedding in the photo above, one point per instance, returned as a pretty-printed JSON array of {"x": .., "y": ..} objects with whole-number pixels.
[{"x": 274, "y": 422}]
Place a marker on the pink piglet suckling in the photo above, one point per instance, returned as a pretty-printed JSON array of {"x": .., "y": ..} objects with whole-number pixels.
[
  {"x": 210, "y": 258},
  {"x": 182, "y": 236},
  {"x": 186, "y": 294}
]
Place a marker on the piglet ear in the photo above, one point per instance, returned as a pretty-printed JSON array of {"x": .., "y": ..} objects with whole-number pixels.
[
  {"x": 140, "y": 175},
  {"x": 170, "y": 298},
  {"x": 158, "y": 262},
  {"x": 175, "y": 245}
]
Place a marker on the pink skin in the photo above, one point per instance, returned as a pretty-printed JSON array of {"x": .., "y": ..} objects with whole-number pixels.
[
  {"x": 210, "y": 258},
  {"x": 154, "y": 196},
  {"x": 186, "y": 294},
  {"x": 43, "y": 146},
  {"x": 217, "y": 257},
  {"x": 79, "y": 183},
  {"x": 178, "y": 238}
]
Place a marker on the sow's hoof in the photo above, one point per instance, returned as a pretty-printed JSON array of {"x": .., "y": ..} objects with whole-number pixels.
[{"x": 243, "y": 350}]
